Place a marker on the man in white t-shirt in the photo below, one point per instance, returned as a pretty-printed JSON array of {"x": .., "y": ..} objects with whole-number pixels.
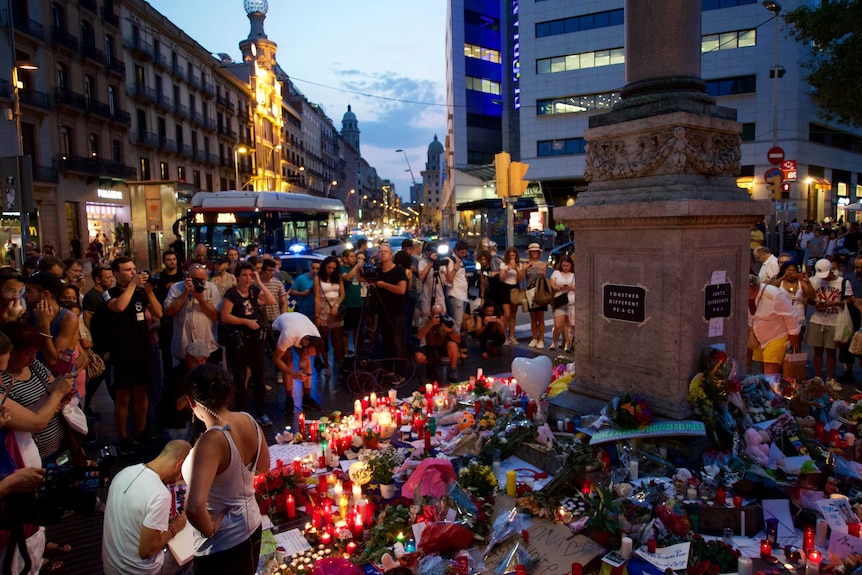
[
  {"x": 829, "y": 293},
  {"x": 456, "y": 278},
  {"x": 138, "y": 522},
  {"x": 298, "y": 332}
]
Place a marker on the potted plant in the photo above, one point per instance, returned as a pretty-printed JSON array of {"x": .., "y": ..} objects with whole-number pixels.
[{"x": 382, "y": 465}]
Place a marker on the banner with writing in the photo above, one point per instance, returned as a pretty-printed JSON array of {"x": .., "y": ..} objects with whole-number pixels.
[{"x": 656, "y": 429}]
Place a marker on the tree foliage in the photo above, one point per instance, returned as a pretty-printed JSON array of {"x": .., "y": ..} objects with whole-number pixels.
[{"x": 834, "y": 32}]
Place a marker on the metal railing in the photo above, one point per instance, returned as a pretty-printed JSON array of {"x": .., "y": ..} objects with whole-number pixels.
[
  {"x": 90, "y": 51},
  {"x": 45, "y": 174},
  {"x": 95, "y": 166},
  {"x": 63, "y": 39}
]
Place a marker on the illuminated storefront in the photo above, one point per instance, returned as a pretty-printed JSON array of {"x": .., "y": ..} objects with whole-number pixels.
[{"x": 109, "y": 209}]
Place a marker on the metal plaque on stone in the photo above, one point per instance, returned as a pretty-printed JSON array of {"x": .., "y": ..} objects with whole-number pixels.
[
  {"x": 624, "y": 303},
  {"x": 717, "y": 300}
]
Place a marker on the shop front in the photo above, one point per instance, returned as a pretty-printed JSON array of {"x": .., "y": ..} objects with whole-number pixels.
[{"x": 108, "y": 218}]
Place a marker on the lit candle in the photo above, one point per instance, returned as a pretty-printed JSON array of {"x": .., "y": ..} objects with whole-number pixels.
[
  {"x": 765, "y": 548},
  {"x": 435, "y": 387},
  {"x": 479, "y": 373},
  {"x": 342, "y": 506},
  {"x": 350, "y": 549},
  {"x": 327, "y": 512},
  {"x": 854, "y": 529},
  {"x": 364, "y": 403},
  {"x": 586, "y": 487},
  {"x": 720, "y": 495},
  {"x": 737, "y": 500},
  {"x": 511, "y": 483},
  {"x": 357, "y": 493},
  {"x": 808, "y": 538},
  {"x": 429, "y": 389},
  {"x": 358, "y": 526},
  {"x": 626, "y": 548},
  {"x": 300, "y": 419},
  {"x": 393, "y": 396},
  {"x": 357, "y": 409},
  {"x": 651, "y": 545},
  {"x": 691, "y": 493},
  {"x": 373, "y": 399},
  {"x": 338, "y": 489},
  {"x": 312, "y": 432},
  {"x": 812, "y": 567},
  {"x": 297, "y": 465},
  {"x": 400, "y": 537},
  {"x": 325, "y": 538},
  {"x": 820, "y": 533},
  {"x": 745, "y": 566},
  {"x": 291, "y": 506},
  {"x": 324, "y": 447},
  {"x": 316, "y": 519}
]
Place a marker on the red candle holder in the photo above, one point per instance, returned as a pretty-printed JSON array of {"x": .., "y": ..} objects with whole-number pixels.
[
  {"x": 854, "y": 529},
  {"x": 808, "y": 538},
  {"x": 765, "y": 548},
  {"x": 651, "y": 545},
  {"x": 720, "y": 495},
  {"x": 737, "y": 500}
]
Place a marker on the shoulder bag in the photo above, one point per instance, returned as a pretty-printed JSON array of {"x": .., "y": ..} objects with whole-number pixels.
[
  {"x": 544, "y": 295},
  {"x": 844, "y": 324}
]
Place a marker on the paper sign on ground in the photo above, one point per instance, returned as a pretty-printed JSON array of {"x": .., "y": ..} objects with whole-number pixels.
[
  {"x": 525, "y": 471},
  {"x": 674, "y": 557},
  {"x": 844, "y": 545},
  {"x": 837, "y": 513},
  {"x": 292, "y": 541},
  {"x": 779, "y": 509},
  {"x": 287, "y": 452}
]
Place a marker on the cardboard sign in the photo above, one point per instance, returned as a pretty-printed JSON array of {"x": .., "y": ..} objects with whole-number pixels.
[
  {"x": 551, "y": 544},
  {"x": 674, "y": 557},
  {"x": 844, "y": 545},
  {"x": 837, "y": 513}
]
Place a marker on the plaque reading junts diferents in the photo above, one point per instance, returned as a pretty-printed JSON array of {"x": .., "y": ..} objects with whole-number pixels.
[
  {"x": 625, "y": 303},
  {"x": 717, "y": 301}
]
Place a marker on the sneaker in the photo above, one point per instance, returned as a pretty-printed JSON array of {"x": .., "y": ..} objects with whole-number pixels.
[
  {"x": 126, "y": 446},
  {"x": 453, "y": 376},
  {"x": 289, "y": 405},
  {"x": 309, "y": 403},
  {"x": 540, "y": 344},
  {"x": 833, "y": 385},
  {"x": 264, "y": 420},
  {"x": 533, "y": 342}
]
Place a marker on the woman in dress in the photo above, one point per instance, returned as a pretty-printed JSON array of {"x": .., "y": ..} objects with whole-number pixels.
[
  {"x": 328, "y": 296},
  {"x": 219, "y": 471},
  {"x": 563, "y": 284},
  {"x": 510, "y": 276},
  {"x": 533, "y": 270}
]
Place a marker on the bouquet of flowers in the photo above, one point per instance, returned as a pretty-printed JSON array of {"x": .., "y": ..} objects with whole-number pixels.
[
  {"x": 628, "y": 412},
  {"x": 478, "y": 479},
  {"x": 418, "y": 403},
  {"x": 271, "y": 489},
  {"x": 383, "y": 462},
  {"x": 708, "y": 395},
  {"x": 712, "y": 557}
]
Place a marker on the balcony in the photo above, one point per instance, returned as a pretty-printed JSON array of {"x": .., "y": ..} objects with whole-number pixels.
[
  {"x": 164, "y": 102},
  {"x": 142, "y": 92},
  {"x": 209, "y": 123},
  {"x": 185, "y": 150},
  {"x": 207, "y": 87},
  {"x": 178, "y": 72},
  {"x": 100, "y": 109},
  {"x": 167, "y": 145},
  {"x": 223, "y": 101},
  {"x": 213, "y": 159},
  {"x": 110, "y": 17},
  {"x": 62, "y": 39},
  {"x": 181, "y": 110},
  {"x": 68, "y": 98},
  {"x": 89, "y": 5},
  {"x": 197, "y": 117},
  {"x": 200, "y": 155},
  {"x": 29, "y": 27},
  {"x": 90, "y": 51},
  {"x": 35, "y": 99},
  {"x": 95, "y": 167},
  {"x": 122, "y": 117},
  {"x": 115, "y": 66},
  {"x": 194, "y": 81},
  {"x": 45, "y": 174},
  {"x": 226, "y": 131},
  {"x": 139, "y": 45},
  {"x": 148, "y": 139}
]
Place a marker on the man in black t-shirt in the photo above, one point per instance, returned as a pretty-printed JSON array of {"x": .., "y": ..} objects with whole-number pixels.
[
  {"x": 391, "y": 289},
  {"x": 94, "y": 302},
  {"x": 170, "y": 275},
  {"x": 130, "y": 349}
]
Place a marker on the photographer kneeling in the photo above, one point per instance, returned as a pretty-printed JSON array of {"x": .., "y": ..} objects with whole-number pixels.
[
  {"x": 489, "y": 328},
  {"x": 440, "y": 340}
]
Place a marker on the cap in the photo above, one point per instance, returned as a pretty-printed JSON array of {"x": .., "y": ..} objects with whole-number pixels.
[
  {"x": 197, "y": 349},
  {"x": 46, "y": 281},
  {"x": 822, "y": 268},
  {"x": 534, "y": 247}
]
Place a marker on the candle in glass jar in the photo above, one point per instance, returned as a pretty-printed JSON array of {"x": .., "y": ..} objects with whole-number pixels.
[
  {"x": 357, "y": 493},
  {"x": 720, "y": 495},
  {"x": 745, "y": 566},
  {"x": 291, "y": 506},
  {"x": 327, "y": 512},
  {"x": 691, "y": 493},
  {"x": 737, "y": 500},
  {"x": 325, "y": 538},
  {"x": 342, "y": 506},
  {"x": 338, "y": 489},
  {"x": 765, "y": 548},
  {"x": 312, "y": 432},
  {"x": 316, "y": 519},
  {"x": 350, "y": 549},
  {"x": 651, "y": 545},
  {"x": 854, "y": 529},
  {"x": 357, "y": 526},
  {"x": 812, "y": 566},
  {"x": 429, "y": 389},
  {"x": 393, "y": 396},
  {"x": 373, "y": 399},
  {"x": 357, "y": 409},
  {"x": 808, "y": 538},
  {"x": 297, "y": 465}
]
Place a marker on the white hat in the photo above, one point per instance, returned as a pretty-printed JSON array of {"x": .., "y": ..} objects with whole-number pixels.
[
  {"x": 822, "y": 267},
  {"x": 534, "y": 247}
]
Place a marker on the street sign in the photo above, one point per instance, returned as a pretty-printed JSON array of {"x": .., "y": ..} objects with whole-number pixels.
[
  {"x": 788, "y": 169},
  {"x": 771, "y": 173},
  {"x": 775, "y": 155}
]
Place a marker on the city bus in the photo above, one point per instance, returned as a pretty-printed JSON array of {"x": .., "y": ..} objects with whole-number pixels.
[{"x": 274, "y": 221}]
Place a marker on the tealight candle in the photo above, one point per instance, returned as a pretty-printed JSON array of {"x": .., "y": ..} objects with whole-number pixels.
[{"x": 745, "y": 566}]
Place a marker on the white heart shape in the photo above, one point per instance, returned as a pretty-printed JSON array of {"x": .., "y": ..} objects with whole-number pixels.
[{"x": 533, "y": 374}]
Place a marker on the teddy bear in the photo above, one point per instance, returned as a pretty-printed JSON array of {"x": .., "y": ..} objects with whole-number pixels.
[
  {"x": 806, "y": 397},
  {"x": 757, "y": 445}
]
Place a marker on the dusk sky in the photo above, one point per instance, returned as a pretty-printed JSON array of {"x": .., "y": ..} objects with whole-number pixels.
[{"x": 333, "y": 49}]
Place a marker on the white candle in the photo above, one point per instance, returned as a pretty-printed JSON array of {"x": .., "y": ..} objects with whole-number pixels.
[
  {"x": 634, "y": 467},
  {"x": 374, "y": 417},
  {"x": 357, "y": 409},
  {"x": 626, "y": 549},
  {"x": 357, "y": 493},
  {"x": 393, "y": 395},
  {"x": 742, "y": 523},
  {"x": 820, "y": 533},
  {"x": 479, "y": 373},
  {"x": 373, "y": 399},
  {"x": 691, "y": 493},
  {"x": 850, "y": 438},
  {"x": 429, "y": 389},
  {"x": 744, "y": 566}
]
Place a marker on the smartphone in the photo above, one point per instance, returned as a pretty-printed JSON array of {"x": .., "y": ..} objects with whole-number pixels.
[
  {"x": 5, "y": 393},
  {"x": 491, "y": 318}
]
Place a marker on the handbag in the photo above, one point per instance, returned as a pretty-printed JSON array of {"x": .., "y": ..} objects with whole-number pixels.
[
  {"x": 752, "y": 340},
  {"x": 795, "y": 365},
  {"x": 856, "y": 343},
  {"x": 74, "y": 416},
  {"x": 844, "y": 323},
  {"x": 96, "y": 366},
  {"x": 544, "y": 295},
  {"x": 517, "y": 296},
  {"x": 561, "y": 300}
]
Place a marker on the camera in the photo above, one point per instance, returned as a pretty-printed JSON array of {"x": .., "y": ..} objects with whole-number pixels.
[
  {"x": 446, "y": 320},
  {"x": 199, "y": 285},
  {"x": 151, "y": 279},
  {"x": 370, "y": 271}
]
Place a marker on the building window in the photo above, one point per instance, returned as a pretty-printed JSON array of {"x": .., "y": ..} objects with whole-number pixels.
[
  {"x": 717, "y": 4},
  {"x": 196, "y": 178},
  {"x": 482, "y": 85},
  {"x": 66, "y": 146},
  {"x": 145, "y": 168},
  {"x": 482, "y": 21},
  {"x": 222, "y": 183},
  {"x": 181, "y": 173},
  {"x": 164, "y": 172},
  {"x": 209, "y": 182},
  {"x": 580, "y": 23},
  {"x": 116, "y": 151},
  {"x": 731, "y": 86},
  {"x": 580, "y": 61},
  {"x": 567, "y": 147},
  {"x": 579, "y": 103},
  {"x": 833, "y": 138},
  {"x": 109, "y": 49},
  {"x": 112, "y": 100},
  {"x": 94, "y": 145},
  {"x": 62, "y": 76},
  {"x": 481, "y": 53},
  {"x": 748, "y": 132},
  {"x": 728, "y": 40}
]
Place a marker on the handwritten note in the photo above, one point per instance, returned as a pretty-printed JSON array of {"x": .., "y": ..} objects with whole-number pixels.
[
  {"x": 674, "y": 557},
  {"x": 844, "y": 545},
  {"x": 292, "y": 541},
  {"x": 287, "y": 452}
]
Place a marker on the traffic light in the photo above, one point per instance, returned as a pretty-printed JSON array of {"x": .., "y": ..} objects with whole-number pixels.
[
  {"x": 773, "y": 187},
  {"x": 785, "y": 190},
  {"x": 517, "y": 183},
  {"x": 501, "y": 170}
]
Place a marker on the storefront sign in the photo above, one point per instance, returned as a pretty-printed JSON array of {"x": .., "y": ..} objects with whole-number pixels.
[
  {"x": 109, "y": 194},
  {"x": 717, "y": 301},
  {"x": 624, "y": 303}
]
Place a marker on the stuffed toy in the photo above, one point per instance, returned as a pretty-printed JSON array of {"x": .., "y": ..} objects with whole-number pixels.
[
  {"x": 807, "y": 396},
  {"x": 757, "y": 445}
]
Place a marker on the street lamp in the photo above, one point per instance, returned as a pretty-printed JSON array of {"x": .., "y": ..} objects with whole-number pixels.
[
  {"x": 236, "y": 152},
  {"x": 409, "y": 169},
  {"x": 17, "y": 86},
  {"x": 329, "y": 188}
]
